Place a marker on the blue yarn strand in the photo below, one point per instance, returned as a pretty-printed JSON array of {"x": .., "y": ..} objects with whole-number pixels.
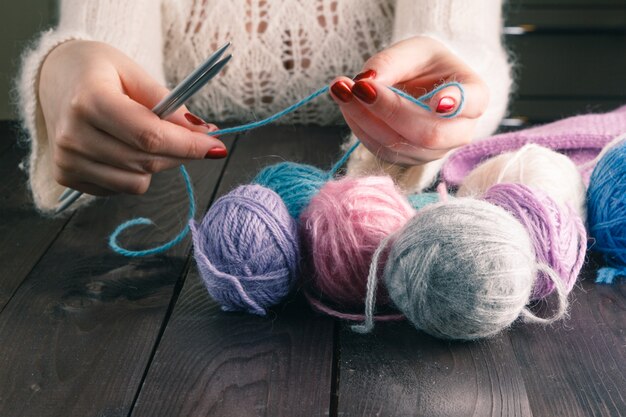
[
  {"x": 143, "y": 221},
  {"x": 421, "y": 102},
  {"x": 254, "y": 125},
  {"x": 607, "y": 275}
]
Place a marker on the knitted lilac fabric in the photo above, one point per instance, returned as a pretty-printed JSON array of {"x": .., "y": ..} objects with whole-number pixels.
[{"x": 580, "y": 137}]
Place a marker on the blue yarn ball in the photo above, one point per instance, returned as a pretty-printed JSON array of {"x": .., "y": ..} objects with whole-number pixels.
[
  {"x": 606, "y": 206},
  {"x": 247, "y": 250},
  {"x": 295, "y": 183}
]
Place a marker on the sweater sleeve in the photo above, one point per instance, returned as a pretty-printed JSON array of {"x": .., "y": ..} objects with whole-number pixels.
[
  {"x": 134, "y": 27},
  {"x": 473, "y": 31}
]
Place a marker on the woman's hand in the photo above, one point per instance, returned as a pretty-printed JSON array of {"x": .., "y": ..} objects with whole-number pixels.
[
  {"x": 393, "y": 128},
  {"x": 102, "y": 135}
]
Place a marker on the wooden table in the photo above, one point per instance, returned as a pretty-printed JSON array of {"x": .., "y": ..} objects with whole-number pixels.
[{"x": 85, "y": 332}]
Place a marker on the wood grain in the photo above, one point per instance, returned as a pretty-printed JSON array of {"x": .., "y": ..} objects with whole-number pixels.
[
  {"x": 212, "y": 363},
  {"x": 398, "y": 371},
  {"x": 77, "y": 336},
  {"x": 577, "y": 368}
]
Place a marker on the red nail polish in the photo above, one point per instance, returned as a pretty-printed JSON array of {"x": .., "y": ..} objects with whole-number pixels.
[
  {"x": 364, "y": 91},
  {"x": 193, "y": 119},
  {"x": 445, "y": 105},
  {"x": 217, "y": 153},
  {"x": 342, "y": 91},
  {"x": 365, "y": 74}
]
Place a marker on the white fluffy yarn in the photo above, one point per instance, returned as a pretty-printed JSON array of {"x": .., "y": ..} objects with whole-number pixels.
[{"x": 532, "y": 165}]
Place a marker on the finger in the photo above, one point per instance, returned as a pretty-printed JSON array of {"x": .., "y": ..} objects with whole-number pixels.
[
  {"x": 139, "y": 85},
  {"x": 402, "y": 153},
  {"x": 473, "y": 100},
  {"x": 405, "y": 119},
  {"x": 134, "y": 124},
  {"x": 400, "y": 62},
  {"x": 103, "y": 176},
  {"x": 101, "y": 147},
  {"x": 354, "y": 110}
]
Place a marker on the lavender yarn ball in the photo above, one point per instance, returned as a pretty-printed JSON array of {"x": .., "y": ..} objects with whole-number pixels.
[
  {"x": 295, "y": 183},
  {"x": 246, "y": 249},
  {"x": 461, "y": 270},
  {"x": 557, "y": 232}
]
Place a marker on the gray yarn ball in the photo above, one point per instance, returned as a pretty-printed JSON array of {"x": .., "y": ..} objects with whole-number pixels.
[{"x": 461, "y": 270}]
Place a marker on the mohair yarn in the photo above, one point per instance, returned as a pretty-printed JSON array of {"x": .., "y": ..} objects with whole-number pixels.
[
  {"x": 295, "y": 183},
  {"x": 606, "y": 203},
  {"x": 532, "y": 165},
  {"x": 462, "y": 269},
  {"x": 556, "y": 231},
  {"x": 341, "y": 229},
  {"x": 247, "y": 249}
]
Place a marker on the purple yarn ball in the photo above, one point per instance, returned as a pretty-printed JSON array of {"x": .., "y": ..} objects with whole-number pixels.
[
  {"x": 247, "y": 250},
  {"x": 557, "y": 232}
]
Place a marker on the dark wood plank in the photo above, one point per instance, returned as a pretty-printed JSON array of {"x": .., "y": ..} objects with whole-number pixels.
[
  {"x": 212, "y": 363},
  {"x": 578, "y": 368},
  {"x": 77, "y": 336},
  {"x": 398, "y": 371},
  {"x": 24, "y": 234}
]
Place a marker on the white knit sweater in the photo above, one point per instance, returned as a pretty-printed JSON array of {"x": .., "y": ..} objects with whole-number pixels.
[{"x": 283, "y": 49}]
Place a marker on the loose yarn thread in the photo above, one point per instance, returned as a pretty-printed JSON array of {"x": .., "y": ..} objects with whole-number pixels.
[{"x": 113, "y": 239}]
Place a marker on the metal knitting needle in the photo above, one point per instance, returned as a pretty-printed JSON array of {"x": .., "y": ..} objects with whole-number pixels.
[{"x": 181, "y": 93}]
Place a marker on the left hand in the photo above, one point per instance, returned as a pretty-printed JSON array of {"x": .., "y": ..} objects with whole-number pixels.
[{"x": 393, "y": 128}]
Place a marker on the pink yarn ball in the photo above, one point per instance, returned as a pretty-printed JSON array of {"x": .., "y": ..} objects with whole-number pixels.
[
  {"x": 342, "y": 227},
  {"x": 556, "y": 230}
]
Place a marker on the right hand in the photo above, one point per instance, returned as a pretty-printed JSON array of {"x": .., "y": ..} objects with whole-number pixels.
[{"x": 102, "y": 135}]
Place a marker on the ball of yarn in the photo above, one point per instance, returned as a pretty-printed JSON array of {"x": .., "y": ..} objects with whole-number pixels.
[
  {"x": 421, "y": 200},
  {"x": 246, "y": 249},
  {"x": 341, "y": 229},
  {"x": 532, "y": 165},
  {"x": 461, "y": 270},
  {"x": 295, "y": 183},
  {"x": 606, "y": 198},
  {"x": 556, "y": 231}
]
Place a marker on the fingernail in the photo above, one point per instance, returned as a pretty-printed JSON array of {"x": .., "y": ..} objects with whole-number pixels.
[
  {"x": 365, "y": 74},
  {"x": 445, "y": 105},
  {"x": 342, "y": 91},
  {"x": 195, "y": 120},
  {"x": 364, "y": 91},
  {"x": 217, "y": 153}
]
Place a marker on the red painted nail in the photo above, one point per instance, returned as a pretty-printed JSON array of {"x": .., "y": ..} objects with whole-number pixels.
[
  {"x": 365, "y": 74},
  {"x": 193, "y": 119},
  {"x": 342, "y": 91},
  {"x": 217, "y": 153},
  {"x": 445, "y": 104},
  {"x": 364, "y": 91}
]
